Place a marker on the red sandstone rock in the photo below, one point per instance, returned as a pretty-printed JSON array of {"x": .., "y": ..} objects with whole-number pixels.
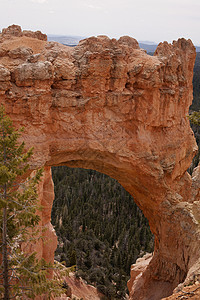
[
  {"x": 15, "y": 30},
  {"x": 187, "y": 292},
  {"x": 36, "y": 35},
  {"x": 137, "y": 269},
  {"x": 140, "y": 288},
  {"x": 28, "y": 74},
  {"x": 4, "y": 79},
  {"x": 80, "y": 289},
  {"x": 107, "y": 105},
  {"x": 12, "y": 30},
  {"x": 20, "y": 52},
  {"x": 3, "y": 52}
]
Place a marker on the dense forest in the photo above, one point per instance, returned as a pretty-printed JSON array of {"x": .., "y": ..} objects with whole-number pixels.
[
  {"x": 99, "y": 227},
  {"x": 196, "y": 84},
  {"x": 196, "y": 107}
]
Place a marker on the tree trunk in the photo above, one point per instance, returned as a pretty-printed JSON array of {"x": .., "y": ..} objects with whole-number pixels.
[
  {"x": 4, "y": 236},
  {"x": 5, "y": 255}
]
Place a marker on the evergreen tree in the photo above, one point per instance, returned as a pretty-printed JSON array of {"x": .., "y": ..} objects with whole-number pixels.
[
  {"x": 21, "y": 273},
  {"x": 195, "y": 118}
]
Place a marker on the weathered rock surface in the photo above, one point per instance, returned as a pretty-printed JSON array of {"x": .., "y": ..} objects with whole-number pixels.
[
  {"x": 107, "y": 105},
  {"x": 15, "y": 30},
  {"x": 80, "y": 289},
  {"x": 138, "y": 269}
]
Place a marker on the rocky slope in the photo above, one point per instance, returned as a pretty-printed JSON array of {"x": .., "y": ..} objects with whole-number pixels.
[
  {"x": 79, "y": 289},
  {"x": 188, "y": 292},
  {"x": 106, "y": 105}
]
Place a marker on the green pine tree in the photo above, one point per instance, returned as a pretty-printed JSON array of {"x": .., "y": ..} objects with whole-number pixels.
[
  {"x": 21, "y": 273},
  {"x": 195, "y": 117}
]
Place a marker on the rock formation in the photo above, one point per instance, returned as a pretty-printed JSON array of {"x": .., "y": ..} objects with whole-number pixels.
[{"x": 107, "y": 105}]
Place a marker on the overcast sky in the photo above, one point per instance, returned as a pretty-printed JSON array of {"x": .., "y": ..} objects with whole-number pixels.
[{"x": 145, "y": 20}]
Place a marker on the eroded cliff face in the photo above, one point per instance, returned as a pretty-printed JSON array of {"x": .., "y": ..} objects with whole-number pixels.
[{"x": 107, "y": 105}]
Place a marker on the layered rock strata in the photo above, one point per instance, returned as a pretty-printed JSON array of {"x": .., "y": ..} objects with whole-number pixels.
[{"x": 107, "y": 105}]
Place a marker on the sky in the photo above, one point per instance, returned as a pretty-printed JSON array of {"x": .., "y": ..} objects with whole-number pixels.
[{"x": 145, "y": 20}]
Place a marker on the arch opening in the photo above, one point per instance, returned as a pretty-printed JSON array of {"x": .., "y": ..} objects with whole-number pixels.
[{"x": 99, "y": 228}]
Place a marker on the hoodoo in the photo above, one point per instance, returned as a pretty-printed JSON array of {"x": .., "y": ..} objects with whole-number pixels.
[{"x": 107, "y": 105}]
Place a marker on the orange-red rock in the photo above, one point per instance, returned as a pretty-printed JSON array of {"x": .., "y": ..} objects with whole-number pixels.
[
  {"x": 107, "y": 105},
  {"x": 15, "y": 30}
]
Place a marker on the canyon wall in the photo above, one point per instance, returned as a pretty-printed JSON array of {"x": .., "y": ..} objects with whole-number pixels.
[{"x": 107, "y": 105}]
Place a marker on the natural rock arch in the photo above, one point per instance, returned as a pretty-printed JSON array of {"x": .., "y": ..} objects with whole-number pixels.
[{"x": 107, "y": 105}]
